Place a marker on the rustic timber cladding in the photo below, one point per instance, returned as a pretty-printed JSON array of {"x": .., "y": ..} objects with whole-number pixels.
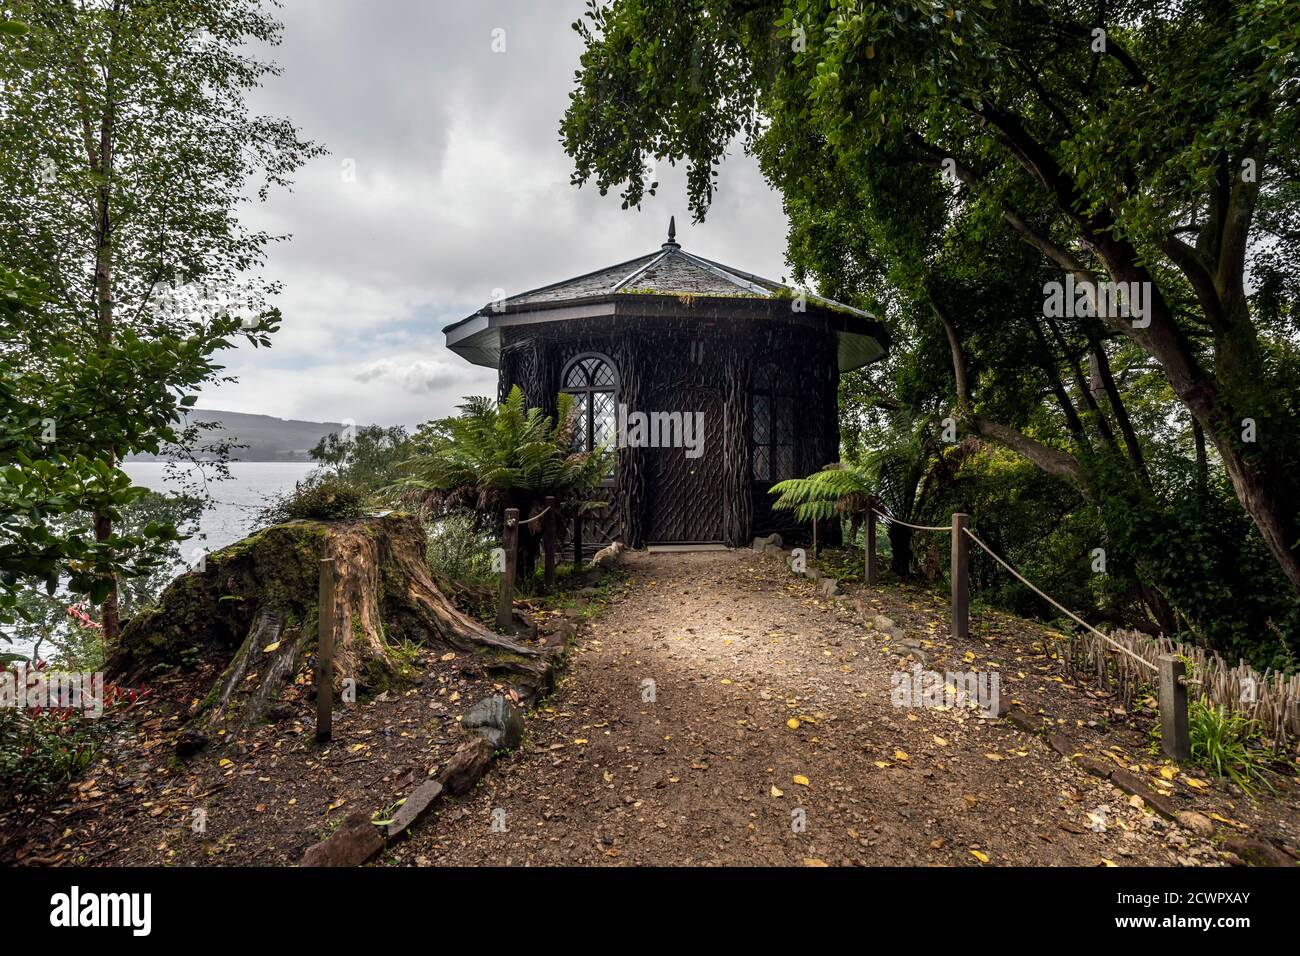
[
  {"x": 756, "y": 363},
  {"x": 738, "y": 519},
  {"x": 633, "y": 355}
]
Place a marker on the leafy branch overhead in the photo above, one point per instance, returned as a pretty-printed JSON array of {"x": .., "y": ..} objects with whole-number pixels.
[{"x": 943, "y": 164}]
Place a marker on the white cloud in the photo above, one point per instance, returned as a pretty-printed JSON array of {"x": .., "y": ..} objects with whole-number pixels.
[{"x": 461, "y": 187}]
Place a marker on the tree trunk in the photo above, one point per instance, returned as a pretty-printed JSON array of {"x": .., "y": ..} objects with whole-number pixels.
[
  {"x": 253, "y": 609},
  {"x": 100, "y": 159},
  {"x": 900, "y": 548}
]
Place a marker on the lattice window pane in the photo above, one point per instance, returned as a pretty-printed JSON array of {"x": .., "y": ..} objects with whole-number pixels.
[
  {"x": 580, "y": 432},
  {"x": 602, "y": 417},
  {"x": 784, "y": 462},
  {"x": 784, "y": 421},
  {"x": 763, "y": 377},
  {"x": 762, "y": 431},
  {"x": 761, "y": 471},
  {"x": 602, "y": 376},
  {"x": 576, "y": 377}
]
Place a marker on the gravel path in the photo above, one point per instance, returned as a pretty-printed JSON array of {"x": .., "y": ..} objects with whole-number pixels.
[{"x": 767, "y": 737}]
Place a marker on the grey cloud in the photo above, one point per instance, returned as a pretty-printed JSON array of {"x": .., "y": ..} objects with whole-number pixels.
[{"x": 461, "y": 188}]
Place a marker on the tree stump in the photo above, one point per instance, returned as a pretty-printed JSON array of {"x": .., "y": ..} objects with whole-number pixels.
[{"x": 254, "y": 606}]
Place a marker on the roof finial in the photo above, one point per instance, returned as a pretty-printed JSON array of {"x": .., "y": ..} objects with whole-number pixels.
[{"x": 672, "y": 242}]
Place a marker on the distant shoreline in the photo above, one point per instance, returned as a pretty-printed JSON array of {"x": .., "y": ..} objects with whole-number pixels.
[{"x": 259, "y": 438}]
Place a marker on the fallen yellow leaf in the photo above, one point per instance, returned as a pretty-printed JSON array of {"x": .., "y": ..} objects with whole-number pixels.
[
  {"x": 777, "y": 792},
  {"x": 1231, "y": 823},
  {"x": 793, "y": 723},
  {"x": 979, "y": 856},
  {"x": 801, "y": 780}
]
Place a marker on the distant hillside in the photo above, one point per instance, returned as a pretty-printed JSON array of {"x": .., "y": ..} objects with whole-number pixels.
[{"x": 266, "y": 438}]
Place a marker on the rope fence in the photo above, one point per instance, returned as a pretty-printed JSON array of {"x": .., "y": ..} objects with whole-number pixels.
[
  {"x": 1058, "y": 605},
  {"x": 890, "y": 519},
  {"x": 1273, "y": 699}
]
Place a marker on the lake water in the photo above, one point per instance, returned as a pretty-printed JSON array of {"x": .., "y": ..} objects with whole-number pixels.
[
  {"x": 234, "y": 509},
  {"x": 236, "y": 502}
]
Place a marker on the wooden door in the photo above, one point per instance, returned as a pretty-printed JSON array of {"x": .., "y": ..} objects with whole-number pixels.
[{"x": 685, "y": 495}]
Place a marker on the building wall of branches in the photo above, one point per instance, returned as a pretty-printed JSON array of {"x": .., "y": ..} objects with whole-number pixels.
[{"x": 731, "y": 370}]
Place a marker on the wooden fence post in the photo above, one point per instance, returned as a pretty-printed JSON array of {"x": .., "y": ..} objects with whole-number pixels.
[
  {"x": 549, "y": 520},
  {"x": 1174, "y": 739},
  {"x": 325, "y": 653},
  {"x": 577, "y": 542},
  {"x": 510, "y": 544},
  {"x": 869, "y": 539},
  {"x": 960, "y": 576},
  {"x": 817, "y": 548}
]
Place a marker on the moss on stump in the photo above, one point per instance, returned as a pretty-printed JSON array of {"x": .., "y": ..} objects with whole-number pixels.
[{"x": 254, "y": 605}]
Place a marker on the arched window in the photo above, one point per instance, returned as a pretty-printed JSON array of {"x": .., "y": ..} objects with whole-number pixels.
[
  {"x": 593, "y": 383},
  {"x": 771, "y": 427}
]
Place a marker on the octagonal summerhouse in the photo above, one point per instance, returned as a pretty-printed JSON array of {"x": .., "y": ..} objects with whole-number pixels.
[{"x": 749, "y": 367}]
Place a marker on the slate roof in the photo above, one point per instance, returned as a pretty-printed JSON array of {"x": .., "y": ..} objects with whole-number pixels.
[{"x": 670, "y": 272}]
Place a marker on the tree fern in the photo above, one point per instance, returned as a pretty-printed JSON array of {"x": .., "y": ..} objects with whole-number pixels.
[{"x": 495, "y": 456}]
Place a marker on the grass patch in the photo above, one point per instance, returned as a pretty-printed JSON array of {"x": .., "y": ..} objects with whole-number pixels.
[{"x": 1227, "y": 745}]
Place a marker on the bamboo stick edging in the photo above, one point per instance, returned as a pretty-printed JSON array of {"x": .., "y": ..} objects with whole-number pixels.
[
  {"x": 1130, "y": 659},
  {"x": 1271, "y": 699}
]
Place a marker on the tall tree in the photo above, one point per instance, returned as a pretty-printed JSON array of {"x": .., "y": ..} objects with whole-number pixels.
[
  {"x": 126, "y": 151},
  {"x": 1131, "y": 142}
]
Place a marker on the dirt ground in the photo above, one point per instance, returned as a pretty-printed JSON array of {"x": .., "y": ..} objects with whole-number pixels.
[
  {"x": 260, "y": 797},
  {"x": 716, "y": 710},
  {"x": 771, "y": 740}
]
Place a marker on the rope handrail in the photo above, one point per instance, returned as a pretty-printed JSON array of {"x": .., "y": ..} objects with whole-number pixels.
[
  {"x": 1060, "y": 607},
  {"x": 915, "y": 527},
  {"x": 535, "y": 517}
]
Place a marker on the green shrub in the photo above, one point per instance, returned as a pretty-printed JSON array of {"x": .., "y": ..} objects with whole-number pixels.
[
  {"x": 41, "y": 751},
  {"x": 1228, "y": 745},
  {"x": 459, "y": 550},
  {"x": 318, "y": 497}
]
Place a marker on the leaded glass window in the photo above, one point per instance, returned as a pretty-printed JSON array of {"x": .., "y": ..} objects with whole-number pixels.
[
  {"x": 591, "y": 380},
  {"x": 772, "y": 427}
]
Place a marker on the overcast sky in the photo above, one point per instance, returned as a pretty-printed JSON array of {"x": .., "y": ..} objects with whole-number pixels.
[{"x": 460, "y": 187}]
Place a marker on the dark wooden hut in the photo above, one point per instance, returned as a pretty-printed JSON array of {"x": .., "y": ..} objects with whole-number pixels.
[{"x": 756, "y": 362}]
